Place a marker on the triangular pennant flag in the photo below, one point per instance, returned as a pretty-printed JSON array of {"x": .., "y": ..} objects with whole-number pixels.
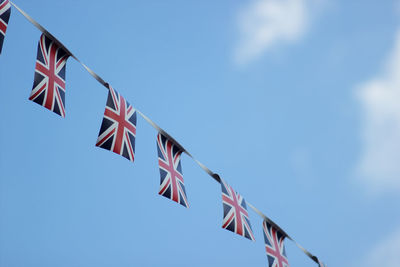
[
  {"x": 5, "y": 12},
  {"x": 49, "y": 83},
  {"x": 274, "y": 246},
  {"x": 118, "y": 129},
  {"x": 171, "y": 178},
  {"x": 236, "y": 217}
]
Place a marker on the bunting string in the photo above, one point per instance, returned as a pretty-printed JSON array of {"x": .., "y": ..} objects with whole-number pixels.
[
  {"x": 162, "y": 132},
  {"x": 48, "y": 34}
]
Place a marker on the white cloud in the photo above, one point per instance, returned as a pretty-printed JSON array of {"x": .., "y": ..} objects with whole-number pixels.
[
  {"x": 379, "y": 164},
  {"x": 386, "y": 253},
  {"x": 266, "y": 23}
]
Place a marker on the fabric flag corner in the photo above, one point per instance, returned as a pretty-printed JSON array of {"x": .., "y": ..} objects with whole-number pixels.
[
  {"x": 274, "y": 246},
  {"x": 49, "y": 82},
  {"x": 5, "y": 12},
  {"x": 236, "y": 217},
  {"x": 171, "y": 177}
]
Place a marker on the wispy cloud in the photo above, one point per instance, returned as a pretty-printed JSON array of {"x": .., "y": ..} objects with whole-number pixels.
[
  {"x": 385, "y": 253},
  {"x": 379, "y": 164},
  {"x": 266, "y": 23}
]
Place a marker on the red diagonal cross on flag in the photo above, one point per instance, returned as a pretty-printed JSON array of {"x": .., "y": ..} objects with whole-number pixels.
[
  {"x": 174, "y": 175},
  {"x": 53, "y": 80},
  {"x": 279, "y": 258},
  {"x": 3, "y": 25},
  {"x": 123, "y": 122},
  {"x": 238, "y": 208},
  {"x": 49, "y": 76}
]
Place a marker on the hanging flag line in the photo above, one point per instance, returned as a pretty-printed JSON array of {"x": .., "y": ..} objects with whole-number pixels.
[
  {"x": 311, "y": 256},
  {"x": 215, "y": 176},
  {"x": 48, "y": 34}
]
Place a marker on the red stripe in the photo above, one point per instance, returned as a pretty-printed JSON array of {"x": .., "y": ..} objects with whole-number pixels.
[
  {"x": 249, "y": 229},
  {"x": 162, "y": 190},
  {"x": 119, "y": 138},
  {"x": 275, "y": 251},
  {"x": 38, "y": 92},
  {"x": 3, "y": 27},
  {"x": 60, "y": 61},
  {"x": 168, "y": 168},
  {"x": 228, "y": 221},
  {"x": 52, "y": 77},
  {"x": 4, "y": 4},
  {"x": 173, "y": 173},
  {"x": 99, "y": 143},
  {"x": 129, "y": 110}
]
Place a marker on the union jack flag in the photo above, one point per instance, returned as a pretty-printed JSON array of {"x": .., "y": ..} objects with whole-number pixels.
[
  {"x": 274, "y": 246},
  {"x": 5, "y": 12},
  {"x": 118, "y": 129},
  {"x": 236, "y": 218},
  {"x": 169, "y": 162},
  {"x": 49, "y": 83}
]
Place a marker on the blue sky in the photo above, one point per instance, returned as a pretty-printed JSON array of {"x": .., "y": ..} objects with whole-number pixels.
[{"x": 292, "y": 102}]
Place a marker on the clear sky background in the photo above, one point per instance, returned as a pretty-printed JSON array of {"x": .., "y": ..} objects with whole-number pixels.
[{"x": 295, "y": 103}]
